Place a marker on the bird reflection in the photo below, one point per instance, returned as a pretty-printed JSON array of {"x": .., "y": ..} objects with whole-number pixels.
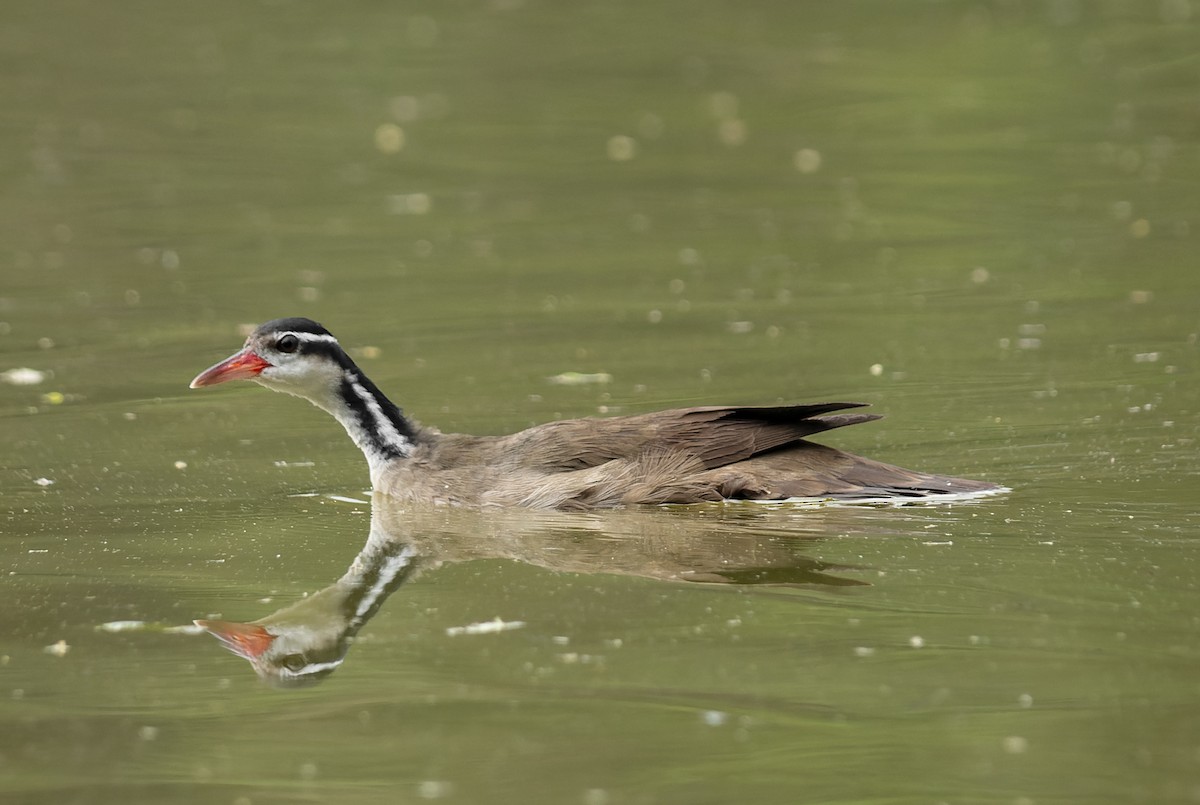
[{"x": 307, "y": 641}]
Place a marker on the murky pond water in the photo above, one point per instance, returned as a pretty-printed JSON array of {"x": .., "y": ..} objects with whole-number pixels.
[{"x": 979, "y": 217}]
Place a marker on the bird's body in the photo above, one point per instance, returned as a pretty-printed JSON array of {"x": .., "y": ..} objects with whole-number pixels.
[{"x": 688, "y": 455}]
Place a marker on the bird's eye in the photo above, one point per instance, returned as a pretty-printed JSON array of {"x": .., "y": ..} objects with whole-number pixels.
[
  {"x": 288, "y": 343},
  {"x": 294, "y": 662}
]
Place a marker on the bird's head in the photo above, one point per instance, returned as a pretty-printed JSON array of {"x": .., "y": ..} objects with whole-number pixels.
[{"x": 295, "y": 355}]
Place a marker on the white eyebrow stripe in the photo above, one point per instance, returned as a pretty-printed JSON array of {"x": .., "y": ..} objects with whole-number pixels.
[{"x": 311, "y": 337}]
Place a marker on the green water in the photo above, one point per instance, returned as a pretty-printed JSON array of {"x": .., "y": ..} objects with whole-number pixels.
[{"x": 979, "y": 217}]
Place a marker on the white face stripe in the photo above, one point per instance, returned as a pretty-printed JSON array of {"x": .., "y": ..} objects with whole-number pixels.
[
  {"x": 310, "y": 669},
  {"x": 309, "y": 337},
  {"x": 383, "y": 425}
]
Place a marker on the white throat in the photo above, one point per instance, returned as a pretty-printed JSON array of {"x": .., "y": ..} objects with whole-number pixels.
[{"x": 373, "y": 422}]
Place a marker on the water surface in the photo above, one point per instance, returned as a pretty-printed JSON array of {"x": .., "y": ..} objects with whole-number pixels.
[{"x": 978, "y": 217}]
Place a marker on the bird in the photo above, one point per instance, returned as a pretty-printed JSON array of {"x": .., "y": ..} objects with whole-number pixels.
[{"x": 680, "y": 456}]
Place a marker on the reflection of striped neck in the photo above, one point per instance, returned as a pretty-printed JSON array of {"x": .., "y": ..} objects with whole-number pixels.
[
  {"x": 383, "y": 565},
  {"x": 376, "y": 425}
]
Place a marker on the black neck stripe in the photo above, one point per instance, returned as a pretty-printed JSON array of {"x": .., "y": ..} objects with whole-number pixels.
[{"x": 381, "y": 441}]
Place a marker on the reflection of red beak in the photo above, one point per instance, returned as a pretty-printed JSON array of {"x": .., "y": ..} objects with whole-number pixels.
[
  {"x": 247, "y": 640},
  {"x": 241, "y": 366}
]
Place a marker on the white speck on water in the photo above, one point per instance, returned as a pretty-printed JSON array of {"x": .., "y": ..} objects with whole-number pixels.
[
  {"x": 43, "y": 482},
  {"x": 916, "y": 641},
  {"x": 807, "y": 160},
  {"x": 876, "y": 369},
  {"x": 484, "y": 627},
  {"x": 434, "y": 789},
  {"x": 621, "y": 148},
  {"x": 595, "y": 796},
  {"x": 23, "y": 376},
  {"x": 121, "y": 626},
  {"x": 181, "y": 465},
  {"x": 389, "y": 138},
  {"x": 148, "y": 733},
  {"x": 1025, "y": 700},
  {"x": 344, "y": 499},
  {"x": 580, "y": 378},
  {"x": 560, "y": 640},
  {"x": 714, "y": 718},
  {"x": 864, "y": 651},
  {"x": 58, "y": 649},
  {"x": 1016, "y": 745},
  {"x": 410, "y": 203}
]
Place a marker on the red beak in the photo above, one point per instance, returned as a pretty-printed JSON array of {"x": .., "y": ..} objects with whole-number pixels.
[
  {"x": 240, "y": 366},
  {"x": 247, "y": 640}
]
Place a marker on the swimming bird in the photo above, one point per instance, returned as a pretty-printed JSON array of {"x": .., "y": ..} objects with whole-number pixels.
[{"x": 684, "y": 455}]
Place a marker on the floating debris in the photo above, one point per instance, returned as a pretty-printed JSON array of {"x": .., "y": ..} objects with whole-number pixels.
[
  {"x": 121, "y": 626},
  {"x": 43, "y": 482},
  {"x": 23, "y": 376},
  {"x": 579, "y": 379},
  {"x": 621, "y": 148},
  {"x": 807, "y": 160},
  {"x": 485, "y": 627},
  {"x": 344, "y": 499},
  {"x": 389, "y": 138},
  {"x": 58, "y": 649}
]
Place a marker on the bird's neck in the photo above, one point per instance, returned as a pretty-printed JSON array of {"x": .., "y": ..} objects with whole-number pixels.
[{"x": 374, "y": 422}]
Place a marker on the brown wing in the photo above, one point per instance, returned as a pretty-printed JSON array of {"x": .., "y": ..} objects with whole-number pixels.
[{"x": 716, "y": 436}]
